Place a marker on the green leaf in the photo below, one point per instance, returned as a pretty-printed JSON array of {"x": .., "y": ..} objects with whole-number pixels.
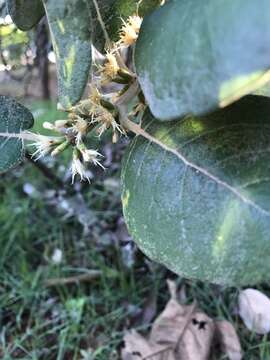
[
  {"x": 13, "y": 119},
  {"x": 200, "y": 203},
  {"x": 195, "y": 56},
  {"x": 25, "y": 13},
  {"x": 113, "y": 12},
  {"x": 70, "y": 26}
]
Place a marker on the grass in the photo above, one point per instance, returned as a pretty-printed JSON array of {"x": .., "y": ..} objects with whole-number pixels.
[{"x": 82, "y": 320}]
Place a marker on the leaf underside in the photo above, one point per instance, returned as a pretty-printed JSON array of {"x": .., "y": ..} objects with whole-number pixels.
[
  {"x": 200, "y": 204},
  {"x": 25, "y": 13},
  {"x": 70, "y": 26},
  {"x": 14, "y": 118},
  {"x": 195, "y": 56}
]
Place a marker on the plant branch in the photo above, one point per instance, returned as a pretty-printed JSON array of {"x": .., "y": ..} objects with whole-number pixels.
[
  {"x": 106, "y": 35},
  {"x": 45, "y": 171},
  {"x": 102, "y": 24},
  {"x": 89, "y": 276}
]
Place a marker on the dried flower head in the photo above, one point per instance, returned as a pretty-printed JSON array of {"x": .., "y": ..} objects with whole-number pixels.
[
  {"x": 80, "y": 128},
  {"x": 110, "y": 69},
  {"x": 106, "y": 120},
  {"x": 95, "y": 96},
  {"x": 130, "y": 31},
  {"x": 92, "y": 156},
  {"x": 135, "y": 21},
  {"x": 45, "y": 144},
  {"x": 78, "y": 168}
]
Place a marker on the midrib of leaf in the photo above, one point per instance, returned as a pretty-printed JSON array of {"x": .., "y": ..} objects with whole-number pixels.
[
  {"x": 23, "y": 135},
  {"x": 141, "y": 132}
]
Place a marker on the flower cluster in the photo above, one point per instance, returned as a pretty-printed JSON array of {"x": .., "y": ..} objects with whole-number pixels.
[
  {"x": 100, "y": 111},
  {"x": 80, "y": 157}
]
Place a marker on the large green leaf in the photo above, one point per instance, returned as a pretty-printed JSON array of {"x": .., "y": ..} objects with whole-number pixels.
[
  {"x": 70, "y": 26},
  {"x": 113, "y": 12},
  {"x": 25, "y": 13},
  {"x": 13, "y": 119},
  {"x": 200, "y": 203},
  {"x": 195, "y": 56}
]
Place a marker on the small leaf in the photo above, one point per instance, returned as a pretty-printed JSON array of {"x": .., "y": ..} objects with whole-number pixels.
[
  {"x": 195, "y": 56},
  {"x": 70, "y": 26},
  {"x": 254, "y": 309},
  {"x": 25, "y": 13},
  {"x": 13, "y": 119},
  {"x": 199, "y": 200}
]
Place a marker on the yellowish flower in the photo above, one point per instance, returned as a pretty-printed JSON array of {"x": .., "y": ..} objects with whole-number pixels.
[
  {"x": 135, "y": 21},
  {"x": 87, "y": 106},
  {"x": 109, "y": 70},
  {"x": 106, "y": 120},
  {"x": 80, "y": 128},
  {"x": 130, "y": 31},
  {"x": 95, "y": 96}
]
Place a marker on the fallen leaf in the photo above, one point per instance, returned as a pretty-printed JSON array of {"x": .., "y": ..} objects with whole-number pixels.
[
  {"x": 182, "y": 295},
  {"x": 186, "y": 330},
  {"x": 138, "y": 348},
  {"x": 181, "y": 332},
  {"x": 228, "y": 340},
  {"x": 197, "y": 339},
  {"x": 149, "y": 308},
  {"x": 254, "y": 309}
]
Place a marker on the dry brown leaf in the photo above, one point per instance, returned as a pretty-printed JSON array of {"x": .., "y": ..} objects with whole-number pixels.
[
  {"x": 182, "y": 332},
  {"x": 149, "y": 308},
  {"x": 188, "y": 331},
  {"x": 228, "y": 340},
  {"x": 182, "y": 295},
  {"x": 197, "y": 339},
  {"x": 137, "y": 348},
  {"x": 254, "y": 309}
]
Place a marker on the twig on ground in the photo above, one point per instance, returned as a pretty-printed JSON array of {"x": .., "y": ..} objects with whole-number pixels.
[{"x": 89, "y": 276}]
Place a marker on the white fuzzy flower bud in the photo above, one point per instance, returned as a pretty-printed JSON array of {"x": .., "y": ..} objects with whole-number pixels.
[{"x": 47, "y": 125}]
